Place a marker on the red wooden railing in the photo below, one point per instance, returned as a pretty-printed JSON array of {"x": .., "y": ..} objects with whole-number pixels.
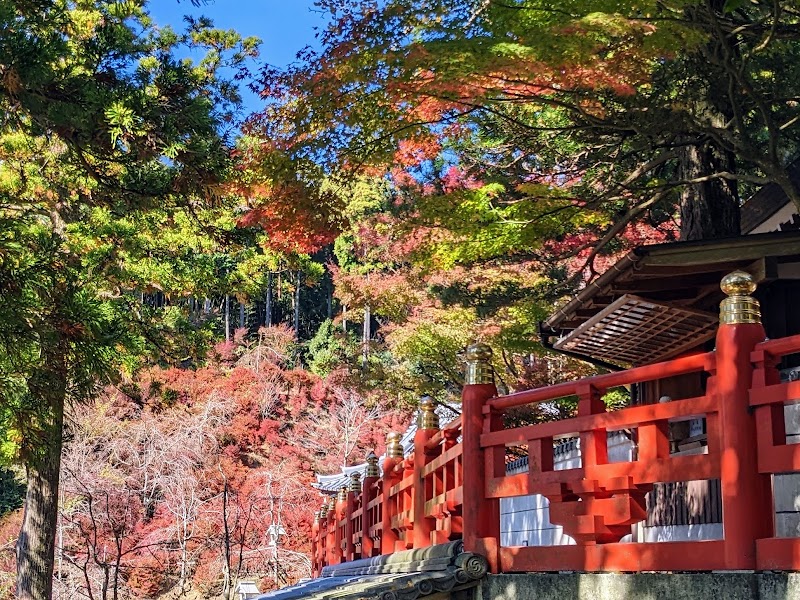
[
  {"x": 768, "y": 396},
  {"x": 597, "y": 502},
  {"x": 446, "y": 489}
]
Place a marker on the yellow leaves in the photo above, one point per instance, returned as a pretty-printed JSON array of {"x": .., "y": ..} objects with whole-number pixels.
[
  {"x": 9, "y": 447},
  {"x": 124, "y": 9},
  {"x": 84, "y": 23},
  {"x": 121, "y": 119},
  {"x": 535, "y": 189},
  {"x": 11, "y": 81},
  {"x": 112, "y": 475},
  {"x": 433, "y": 331},
  {"x": 514, "y": 50},
  {"x": 149, "y": 63},
  {"x": 611, "y": 24}
]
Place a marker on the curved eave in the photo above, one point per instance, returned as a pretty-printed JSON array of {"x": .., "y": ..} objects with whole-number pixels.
[{"x": 684, "y": 273}]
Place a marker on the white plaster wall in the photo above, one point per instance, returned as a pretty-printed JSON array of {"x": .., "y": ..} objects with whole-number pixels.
[
  {"x": 525, "y": 521},
  {"x": 774, "y": 222},
  {"x": 786, "y": 488}
]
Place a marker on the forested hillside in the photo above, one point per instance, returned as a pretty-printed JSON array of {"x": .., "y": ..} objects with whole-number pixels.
[{"x": 171, "y": 480}]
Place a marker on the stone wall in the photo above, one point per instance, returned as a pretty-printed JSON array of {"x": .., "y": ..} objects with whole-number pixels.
[{"x": 644, "y": 586}]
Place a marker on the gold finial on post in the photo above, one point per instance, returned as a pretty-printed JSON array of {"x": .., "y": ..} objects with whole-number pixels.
[
  {"x": 372, "y": 465},
  {"x": 323, "y": 511},
  {"x": 394, "y": 449},
  {"x": 739, "y": 307},
  {"x": 355, "y": 483},
  {"x": 317, "y": 517},
  {"x": 426, "y": 416},
  {"x": 479, "y": 364},
  {"x": 342, "y": 497}
]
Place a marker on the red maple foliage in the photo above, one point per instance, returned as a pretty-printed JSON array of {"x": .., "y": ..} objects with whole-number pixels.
[
  {"x": 171, "y": 481},
  {"x": 9, "y": 529}
]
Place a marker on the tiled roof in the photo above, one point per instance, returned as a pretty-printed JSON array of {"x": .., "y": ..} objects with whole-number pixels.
[
  {"x": 685, "y": 275},
  {"x": 407, "y": 575},
  {"x": 330, "y": 484},
  {"x": 633, "y": 330},
  {"x": 766, "y": 201},
  {"x": 247, "y": 587}
]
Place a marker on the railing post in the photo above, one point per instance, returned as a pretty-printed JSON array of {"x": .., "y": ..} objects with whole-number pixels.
[
  {"x": 427, "y": 426},
  {"x": 340, "y": 512},
  {"x": 746, "y": 503},
  {"x": 480, "y": 515},
  {"x": 330, "y": 537},
  {"x": 323, "y": 538},
  {"x": 353, "y": 491},
  {"x": 394, "y": 456},
  {"x": 594, "y": 443},
  {"x": 315, "y": 545},
  {"x": 371, "y": 476},
  {"x": 770, "y": 419},
  {"x": 405, "y": 505}
]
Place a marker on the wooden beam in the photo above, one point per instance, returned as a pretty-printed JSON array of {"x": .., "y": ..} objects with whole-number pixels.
[
  {"x": 649, "y": 270},
  {"x": 746, "y": 248},
  {"x": 666, "y": 282}
]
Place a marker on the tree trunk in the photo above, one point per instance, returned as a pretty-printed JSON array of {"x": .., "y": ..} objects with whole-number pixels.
[
  {"x": 268, "y": 302},
  {"x": 329, "y": 298},
  {"x": 227, "y": 318},
  {"x": 37, "y": 537},
  {"x": 329, "y": 282},
  {"x": 366, "y": 335},
  {"x": 226, "y": 542},
  {"x": 242, "y": 316},
  {"x": 709, "y": 209},
  {"x": 297, "y": 304}
]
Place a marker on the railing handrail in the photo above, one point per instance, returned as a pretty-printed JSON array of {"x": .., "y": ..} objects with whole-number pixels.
[
  {"x": 703, "y": 361},
  {"x": 439, "y": 437},
  {"x": 623, "y": 418},
  {"x": 777, "y": 347}
]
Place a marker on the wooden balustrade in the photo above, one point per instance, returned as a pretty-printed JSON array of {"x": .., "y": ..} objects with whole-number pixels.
[
  {"x": 768, "y": 397},
  {"x": 383, "y": 514},
  {"x": 446, "y": 489}
]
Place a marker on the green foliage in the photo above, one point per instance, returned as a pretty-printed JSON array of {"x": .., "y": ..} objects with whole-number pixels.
[
  {"x": 112, "y": 141},
  {"x": 571, "y": 121},
  {"x": 493, "y": 222},
  {"x": 113, "y": 154},
  {"x": 490, "y": 157},
  {"x": 329, "y": 349},
  {"x": 617, "y": 398},
  {"x": 428, "y": 350},
  {"x": 12, "y": 491},
  {"x": 365, "y": 198}
]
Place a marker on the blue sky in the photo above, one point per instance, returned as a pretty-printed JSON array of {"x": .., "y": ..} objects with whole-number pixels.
[{"x": 284, "y": 26}]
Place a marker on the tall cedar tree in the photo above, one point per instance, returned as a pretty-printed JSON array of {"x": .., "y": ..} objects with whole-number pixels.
[
  {"x": 99, "y": 117},
  {"x": 599, "y": 113}
]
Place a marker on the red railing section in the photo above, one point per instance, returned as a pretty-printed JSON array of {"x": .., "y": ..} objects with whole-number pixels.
[
  {"x": 597, "y": 502},
  {"x": 768, "y": 397},
  {"x": 415, "y": 503},
  {"x": 449, "y": 489}
]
